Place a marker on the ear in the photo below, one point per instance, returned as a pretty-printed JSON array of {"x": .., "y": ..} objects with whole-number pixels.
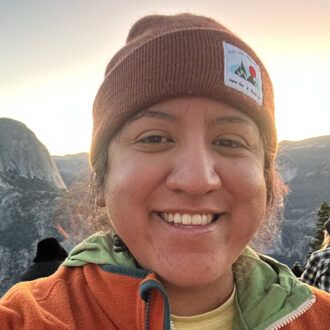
[{"x": 100, "y": 202}]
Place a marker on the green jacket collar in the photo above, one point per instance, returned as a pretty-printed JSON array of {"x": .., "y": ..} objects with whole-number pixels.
[
  {"x": 97, "y": 249},
  {"x": 267, "y": 292}
]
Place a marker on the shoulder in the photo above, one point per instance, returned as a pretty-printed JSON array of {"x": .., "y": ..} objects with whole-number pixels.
[
  {"x": 321, "y": 306},
  {"x": 321, "y": 296},
  {"x": 321, "y": 253},
  {"x": 319, "y": 256},
  {"x": 31, "y": 301},
  {"x": 315, "y": 317},
  {"x": 36, "y": 287}
]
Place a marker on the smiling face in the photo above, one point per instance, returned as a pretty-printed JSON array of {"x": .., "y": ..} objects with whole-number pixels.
[{"x": 185, "y": 188}]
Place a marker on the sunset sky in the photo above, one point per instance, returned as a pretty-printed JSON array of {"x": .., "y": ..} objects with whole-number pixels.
[{"x": 53, "y": 55}]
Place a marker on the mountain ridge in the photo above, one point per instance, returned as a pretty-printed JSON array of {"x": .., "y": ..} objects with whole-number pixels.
[
  {"x": 21, "y": 153},
  {"x": 305, "y": 168},
  {"x": 30, "y": 191}
]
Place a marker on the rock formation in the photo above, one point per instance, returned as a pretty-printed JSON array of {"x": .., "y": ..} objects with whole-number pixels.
[
  {"x": 30, "y": 187},
  {"x": 305, "y": 168}
]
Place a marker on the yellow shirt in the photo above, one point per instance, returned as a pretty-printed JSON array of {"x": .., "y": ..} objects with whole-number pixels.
[{"x": 220, "y": 318}]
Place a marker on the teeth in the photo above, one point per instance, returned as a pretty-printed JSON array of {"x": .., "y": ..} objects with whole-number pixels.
[
  {"x": 177, "y": 218},
  {"x": 187, "y": 219},
  {"x": 196, "y": 219}
]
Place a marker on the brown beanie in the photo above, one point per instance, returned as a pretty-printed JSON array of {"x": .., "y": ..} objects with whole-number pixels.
[{"x": 182, "y": 55}]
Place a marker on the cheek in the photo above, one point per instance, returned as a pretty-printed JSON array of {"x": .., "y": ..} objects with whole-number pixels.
[
  {"x": 127, "y": 192},
  {"x": 247, "y": 189},
  {"x": 120, "y": 198},
  {"x": 246, "y": 179},
  {"x": 129, "y": 185},
  {"x": 254, "y": 186},
  {"x": 255, "y": 193},
  {"x": 133, "y": 179},
  {"x": 120, "y": 189},
  {"x": 247, "y": 207}
]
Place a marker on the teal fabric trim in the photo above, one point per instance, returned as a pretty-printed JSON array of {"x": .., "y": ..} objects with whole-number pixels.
[
  {"x": 126, "y": 271},
  {"x": 266, "y": 291},
  {"x": 97, "y": 249},
  {"x": 149, "y": 285}
]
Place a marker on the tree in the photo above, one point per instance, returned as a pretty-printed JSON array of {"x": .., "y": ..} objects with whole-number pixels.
[{"x": 323, "y": 215}]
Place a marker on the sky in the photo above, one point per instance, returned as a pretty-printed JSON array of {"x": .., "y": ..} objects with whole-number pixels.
[{"x": 53, "y": 55}]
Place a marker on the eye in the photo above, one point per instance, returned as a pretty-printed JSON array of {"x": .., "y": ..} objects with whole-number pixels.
[
  {"x": 155, "y": 139},
  {"x": 229, "y": 143}
]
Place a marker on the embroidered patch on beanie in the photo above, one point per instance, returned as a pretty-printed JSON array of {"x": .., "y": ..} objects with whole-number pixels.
[{"x": 242, "y": 73}]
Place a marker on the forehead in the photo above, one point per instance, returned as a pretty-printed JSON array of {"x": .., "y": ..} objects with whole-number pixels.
[{"x": 212, "y": 112}]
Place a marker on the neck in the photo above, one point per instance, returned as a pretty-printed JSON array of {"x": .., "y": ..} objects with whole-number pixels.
[
  {"x": 189, "y": 301},
  {"x": 326, "y": 241}
]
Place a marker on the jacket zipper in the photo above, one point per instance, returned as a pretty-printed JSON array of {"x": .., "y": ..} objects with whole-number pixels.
[
  {"x": 293, "y": 315},
  {"x": 148, "y": 310}
]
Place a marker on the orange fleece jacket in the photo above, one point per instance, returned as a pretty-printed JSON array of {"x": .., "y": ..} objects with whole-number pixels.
[
  {"x": 79, "y": 298},
  {"x": 90, "y": 298}
]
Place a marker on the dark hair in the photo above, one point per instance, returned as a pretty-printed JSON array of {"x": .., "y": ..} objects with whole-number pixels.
[{"x": 327, "y": 226}]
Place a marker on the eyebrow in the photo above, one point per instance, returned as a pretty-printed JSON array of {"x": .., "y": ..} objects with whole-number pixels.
[
  {"x": 230, "y": 119},
  {"x": 152, "y": 113}
]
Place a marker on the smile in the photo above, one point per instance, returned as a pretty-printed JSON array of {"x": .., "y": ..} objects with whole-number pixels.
[{"x": 188, "y": 219}]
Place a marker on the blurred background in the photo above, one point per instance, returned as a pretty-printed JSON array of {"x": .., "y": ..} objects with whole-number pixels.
[{"x": 54, "y": 53}]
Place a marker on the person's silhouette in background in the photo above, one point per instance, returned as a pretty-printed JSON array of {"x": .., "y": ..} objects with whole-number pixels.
[
  {"x": 50, "y": 255},
  {"x": 297, "y": 268},
  {"x": 317, "y": 271}
]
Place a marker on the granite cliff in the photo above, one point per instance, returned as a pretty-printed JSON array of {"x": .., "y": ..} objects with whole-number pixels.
[
  {"x": 305, "y": 168},
  {"x": 30, "y": 188}
]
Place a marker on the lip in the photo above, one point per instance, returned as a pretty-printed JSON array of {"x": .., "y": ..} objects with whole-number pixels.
[{"x": 189, "y": 211}]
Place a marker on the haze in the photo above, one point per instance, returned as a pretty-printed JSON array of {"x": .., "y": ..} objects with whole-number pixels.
[{"x": 53, "y": 55}]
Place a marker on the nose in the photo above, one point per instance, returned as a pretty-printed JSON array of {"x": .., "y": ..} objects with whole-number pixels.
[{"x": 194, "y": 172}]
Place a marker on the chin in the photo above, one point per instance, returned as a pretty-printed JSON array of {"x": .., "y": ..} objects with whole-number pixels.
[{"x": 195, "y": 275}]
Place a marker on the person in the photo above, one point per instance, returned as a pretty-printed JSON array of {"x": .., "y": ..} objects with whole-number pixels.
[
  {"x": 297, "y": 268},
  {"x": 317, "y": 271},
  {"x": 50, "y": 255},
  {"x": 182, "y": 152}
]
